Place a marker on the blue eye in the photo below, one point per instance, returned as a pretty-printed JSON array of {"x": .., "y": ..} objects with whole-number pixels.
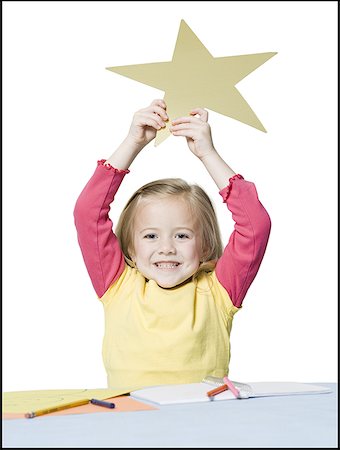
[
  {"x": 182, "y": 236},
  {"x": 150, "y": 236}
]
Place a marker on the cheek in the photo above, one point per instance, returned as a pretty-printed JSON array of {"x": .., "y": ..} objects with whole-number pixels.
[
  {"x": 195, "y": 252},
  {"x": 142, "y": 251}
]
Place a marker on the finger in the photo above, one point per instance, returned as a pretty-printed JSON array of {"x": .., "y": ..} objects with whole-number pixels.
[
  {"x": 186, "y": 119},
  {"x": 187, "y": 133},
  {"x": 150, "y": 123},
  {"x": 158, "y": 102},
  {"x": 152, "y": 116},
  {"x": 160, "y": 111},
  {"x": 185, "y": 126},
  {"x": 203, "y": 113}
]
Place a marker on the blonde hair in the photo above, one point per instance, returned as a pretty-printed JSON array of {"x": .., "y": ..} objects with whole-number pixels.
[{"x": 200, "y": 206}]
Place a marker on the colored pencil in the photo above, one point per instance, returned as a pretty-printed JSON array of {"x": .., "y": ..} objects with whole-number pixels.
[{"x": 41, "y": 412}]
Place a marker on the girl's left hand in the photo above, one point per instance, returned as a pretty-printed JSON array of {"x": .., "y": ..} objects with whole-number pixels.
[{"x": 196, "y": 130}]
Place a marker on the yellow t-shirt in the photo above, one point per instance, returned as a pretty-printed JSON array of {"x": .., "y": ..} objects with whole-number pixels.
[
  {"x": 162, "y": 336},
  {"x": 165, "y": 336}
]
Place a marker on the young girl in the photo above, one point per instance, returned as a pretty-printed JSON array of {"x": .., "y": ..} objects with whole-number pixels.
[{"x": 168, "y": 289}]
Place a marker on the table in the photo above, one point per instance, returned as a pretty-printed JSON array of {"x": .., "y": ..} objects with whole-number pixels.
[{"x": 300, "y": 421}]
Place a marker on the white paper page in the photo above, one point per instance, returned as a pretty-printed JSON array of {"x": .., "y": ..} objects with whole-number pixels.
[
  {"x": 197, "y": 392},
  {"x": 179, "y": 393},
  {"x": 268, "y": 388}
]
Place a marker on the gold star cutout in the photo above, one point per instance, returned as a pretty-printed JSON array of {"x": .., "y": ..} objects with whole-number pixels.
[{"x": 194, "y": 78}]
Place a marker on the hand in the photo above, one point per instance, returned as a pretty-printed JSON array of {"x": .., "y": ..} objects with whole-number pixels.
[
  {"x": 146, "y": 122},
  {"x": 196, "y": 130}
]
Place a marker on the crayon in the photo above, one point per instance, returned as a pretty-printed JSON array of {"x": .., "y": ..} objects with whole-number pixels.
[
  {"x": 94, "y": 401},
  {"x": 217, "y": 390}
]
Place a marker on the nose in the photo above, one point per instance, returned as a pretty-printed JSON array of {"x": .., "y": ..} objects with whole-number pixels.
[{"x": 166, "y": 247}]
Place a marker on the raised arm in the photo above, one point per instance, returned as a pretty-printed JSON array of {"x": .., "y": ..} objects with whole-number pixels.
[
  {"x": 198, "y": 134},
  {"x": 241, "y": 259},
  {"x": 99, "y": 245}
]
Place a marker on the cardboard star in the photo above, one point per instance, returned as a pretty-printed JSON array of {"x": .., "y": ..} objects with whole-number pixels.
[{"x": 194, "y": 78}]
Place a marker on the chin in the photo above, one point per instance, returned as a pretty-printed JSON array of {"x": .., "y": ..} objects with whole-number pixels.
[
  {"x": 169, "y": 285},
  {"x": 164, "y": 284}
]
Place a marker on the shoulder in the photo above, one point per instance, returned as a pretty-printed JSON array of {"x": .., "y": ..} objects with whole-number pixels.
[
  {"x": 129, "y": 278},
  {"x": 209, "y": 282}
]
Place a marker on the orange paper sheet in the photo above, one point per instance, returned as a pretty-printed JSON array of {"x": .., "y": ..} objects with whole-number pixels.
[{"x": 123, "y": 404}]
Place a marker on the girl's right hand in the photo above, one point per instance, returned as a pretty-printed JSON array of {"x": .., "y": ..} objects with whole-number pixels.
[{"x": 146, "y": 122}]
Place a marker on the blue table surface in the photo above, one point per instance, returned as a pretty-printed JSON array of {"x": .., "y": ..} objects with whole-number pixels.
[{"x": 305, "y": 421}]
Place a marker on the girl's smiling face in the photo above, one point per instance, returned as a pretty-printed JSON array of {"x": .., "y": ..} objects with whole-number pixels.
[{"x": 167, "y": 244}]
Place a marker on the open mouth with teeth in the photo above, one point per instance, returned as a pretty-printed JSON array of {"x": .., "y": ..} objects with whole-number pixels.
[{"x": 167, "y": 265}]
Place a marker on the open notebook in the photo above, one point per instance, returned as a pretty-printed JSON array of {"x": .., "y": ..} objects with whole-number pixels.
[{"x": 197, "y": 392}]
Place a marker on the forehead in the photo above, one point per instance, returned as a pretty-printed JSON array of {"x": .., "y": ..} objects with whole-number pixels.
[{"x": 164, "y": 212}]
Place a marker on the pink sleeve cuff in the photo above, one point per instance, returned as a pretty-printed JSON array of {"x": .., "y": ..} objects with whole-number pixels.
[
  {"x": 225, "y": 192},
  {"x": 109, "y": 167}
]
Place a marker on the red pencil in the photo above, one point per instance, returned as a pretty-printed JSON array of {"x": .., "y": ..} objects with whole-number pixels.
[{"x": 217, "y": 390}]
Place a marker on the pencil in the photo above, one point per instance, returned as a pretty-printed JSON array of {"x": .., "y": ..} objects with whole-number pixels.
[
  {"x": 217, "y": 390},
  {"x": 41, "y": 412}
]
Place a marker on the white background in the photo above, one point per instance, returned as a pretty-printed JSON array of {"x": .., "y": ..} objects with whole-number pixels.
[{"x": 62, "y": 111}]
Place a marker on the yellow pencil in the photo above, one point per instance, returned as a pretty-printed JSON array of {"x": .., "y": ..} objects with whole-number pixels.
[{"x": 41, "y": 412}]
